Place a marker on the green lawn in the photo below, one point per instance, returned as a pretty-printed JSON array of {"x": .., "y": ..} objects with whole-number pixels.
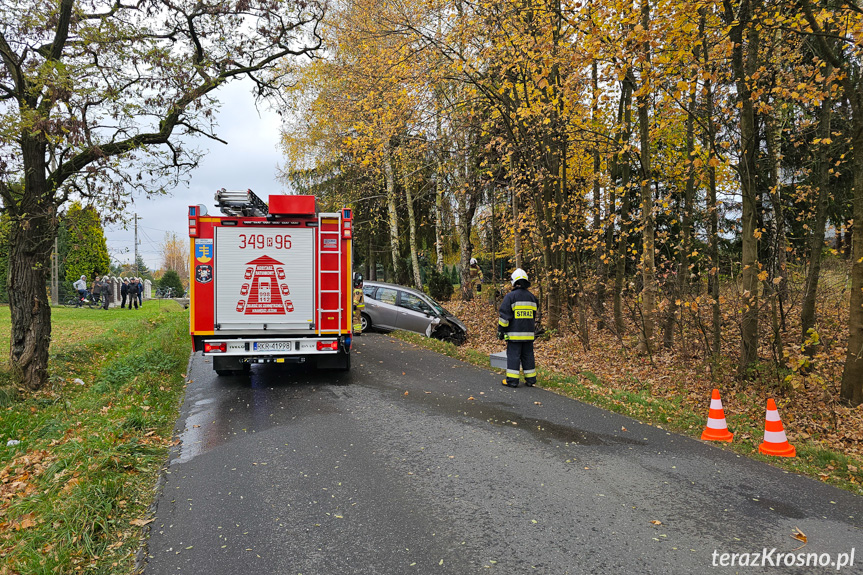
[{"x": 74, "y": 492}]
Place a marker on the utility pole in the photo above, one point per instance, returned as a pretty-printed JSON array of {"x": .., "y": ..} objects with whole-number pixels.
[
  {"x": 137, "y": 271},
  {"x": 55, "y": 274}
]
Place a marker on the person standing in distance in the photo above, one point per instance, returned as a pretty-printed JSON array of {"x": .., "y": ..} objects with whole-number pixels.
[
  {"x": 517, "y": 324},
  {"x": 133, "y": 293},
  {"x": 475, "y": 275},
  {"x": 140, "y": 294},
  {"x": 124, "y": 293},
  {"x": 104, "y": 291}
]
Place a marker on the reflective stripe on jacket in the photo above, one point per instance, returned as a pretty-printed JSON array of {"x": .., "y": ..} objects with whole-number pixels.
[{"x": 518, "y": 315}]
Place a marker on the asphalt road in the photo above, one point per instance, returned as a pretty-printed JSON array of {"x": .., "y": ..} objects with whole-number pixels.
[{"x": 417, "y": 463}]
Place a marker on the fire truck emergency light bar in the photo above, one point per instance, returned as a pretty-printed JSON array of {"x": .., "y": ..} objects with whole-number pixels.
[{"x": 237, "y": 203}]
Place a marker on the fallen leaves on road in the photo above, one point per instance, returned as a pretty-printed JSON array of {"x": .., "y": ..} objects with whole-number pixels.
[
  {"x": 141, "y": 522},
  {"x": 800, "y": 536}
]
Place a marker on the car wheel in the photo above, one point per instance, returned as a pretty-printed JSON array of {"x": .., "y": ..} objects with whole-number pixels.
[
  {"x": 365, "y": 322},
  {"x": 443, "y": 333},
  {"x": 458, "y": 338}
]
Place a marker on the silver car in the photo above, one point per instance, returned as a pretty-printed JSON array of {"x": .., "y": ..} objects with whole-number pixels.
[{"x": 390, "y": 306}]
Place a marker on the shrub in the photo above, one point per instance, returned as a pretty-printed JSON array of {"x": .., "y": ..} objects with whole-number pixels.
[
  {"x": 172, "y": 280},
  {"x": 440, "y": 286}
]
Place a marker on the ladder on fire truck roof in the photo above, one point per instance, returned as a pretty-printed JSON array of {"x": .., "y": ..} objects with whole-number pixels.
[
  {"x": 236, "y": 203},
  {"x": 337, "y": 234}
]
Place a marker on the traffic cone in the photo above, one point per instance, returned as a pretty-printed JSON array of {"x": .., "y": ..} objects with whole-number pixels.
[
  {"x": 775, "y": 442},
  {"x": 717, "y": 429}
]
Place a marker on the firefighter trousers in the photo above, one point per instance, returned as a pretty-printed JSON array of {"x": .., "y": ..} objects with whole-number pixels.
[
  {"x": 519, "y": 354},
  {"x": 358, "y": 321}
]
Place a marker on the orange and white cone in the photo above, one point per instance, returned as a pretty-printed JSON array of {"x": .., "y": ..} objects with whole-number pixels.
[
  {"x": 775, "y": 442},
  {"x": 717, "y": 429}
]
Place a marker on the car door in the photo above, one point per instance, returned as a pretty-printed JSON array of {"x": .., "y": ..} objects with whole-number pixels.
[
  {"x": 414, "y": 314},
  {"x": 383, "y": 308}
]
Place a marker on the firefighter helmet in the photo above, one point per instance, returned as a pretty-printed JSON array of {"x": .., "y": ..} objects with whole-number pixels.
[
  {"x": 358, "y": 280},
  {"x": 519, "y": 275}
]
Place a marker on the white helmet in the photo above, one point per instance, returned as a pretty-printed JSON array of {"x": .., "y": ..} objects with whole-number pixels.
[
  {"x": 473, "y": 261},
  {"x": 519, "y": 274}
]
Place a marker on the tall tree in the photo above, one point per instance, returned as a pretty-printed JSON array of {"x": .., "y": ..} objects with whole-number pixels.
[
  {"x": 744, "y": 36},
  {"x": 175, "y": 254},
  {"x": 648, "y": 224},
  {"x": 88, "y": 250},
  {"x": 844, "y": 54},
  {"x": 89, "y": 90}
]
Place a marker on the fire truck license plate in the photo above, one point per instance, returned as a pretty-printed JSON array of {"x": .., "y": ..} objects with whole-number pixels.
[{"x": 273, "y": 345}]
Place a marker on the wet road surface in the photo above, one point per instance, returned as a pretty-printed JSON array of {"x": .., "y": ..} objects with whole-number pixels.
[{"x": 413, "y": 462}]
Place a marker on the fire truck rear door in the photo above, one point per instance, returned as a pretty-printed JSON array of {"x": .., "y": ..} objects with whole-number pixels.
[{"x": 264, "y": 276}]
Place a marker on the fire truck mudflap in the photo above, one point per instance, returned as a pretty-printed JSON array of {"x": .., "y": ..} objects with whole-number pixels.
[{"x": 270, "y": 284}]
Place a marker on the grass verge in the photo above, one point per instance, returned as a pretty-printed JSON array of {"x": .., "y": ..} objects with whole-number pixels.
[
  {"x": 75, "y": 490},
  {"x": 673, "y": 414}
]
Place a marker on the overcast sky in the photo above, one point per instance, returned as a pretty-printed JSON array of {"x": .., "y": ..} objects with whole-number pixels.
[{"x": 250, "y": 160}]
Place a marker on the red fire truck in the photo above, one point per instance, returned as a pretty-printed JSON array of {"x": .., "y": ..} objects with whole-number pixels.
[{"x": 270, "y": 283}]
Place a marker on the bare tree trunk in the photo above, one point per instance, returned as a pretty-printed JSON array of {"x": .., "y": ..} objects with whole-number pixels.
[
  {"x": 648, "y": 264},
  {"x": 438, "y": 217},
  {"x": 395, "y": 242},
  {"x": 373, "y": 261},
  {"x": 744, "y": 63},
  {"x": 625, "y": 121},
  {"x": 774, "y": 138},
  {"x": 438, "y": 196},
  {"x": 599, "y": 252},
  {"x": 34, "y": 227},
  {"x": 412, "y": 227},
  {"x": 852, "y": 375},
  {"x": 466, "y": 209},
  {"x": 516, "y": 222},
  {"x": 682, "y": 280},
  {"x": 816, "y": 240},
  {"x": 713, "y": 238}
]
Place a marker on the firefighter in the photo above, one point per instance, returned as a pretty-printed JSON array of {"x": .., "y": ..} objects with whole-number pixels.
[
  {"x": 475, "y": 275},
  {"x": 359, "y": 304},
  {"x": 517, "y": 324}
]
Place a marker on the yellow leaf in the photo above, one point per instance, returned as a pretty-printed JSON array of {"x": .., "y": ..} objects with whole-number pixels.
[{"x": 800, "y": 536}]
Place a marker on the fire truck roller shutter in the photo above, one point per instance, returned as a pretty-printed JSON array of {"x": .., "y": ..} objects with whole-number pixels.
[{"x": 255, "y": 266}]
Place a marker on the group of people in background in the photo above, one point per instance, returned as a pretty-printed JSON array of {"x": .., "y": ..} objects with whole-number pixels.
[{"x": 131, "y": 290}]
